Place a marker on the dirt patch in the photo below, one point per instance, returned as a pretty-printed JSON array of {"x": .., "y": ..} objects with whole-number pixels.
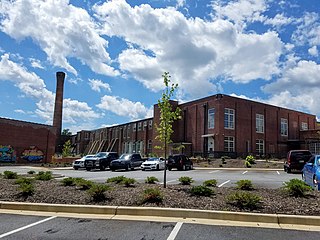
[{"x": 174, "y": 196}]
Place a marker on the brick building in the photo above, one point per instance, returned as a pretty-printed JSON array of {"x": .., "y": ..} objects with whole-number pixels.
[
  {"x": 216, "y": 125},
  {"x": 25, "y": 142}
]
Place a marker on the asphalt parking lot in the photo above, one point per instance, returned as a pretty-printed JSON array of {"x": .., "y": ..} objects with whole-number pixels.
[{"x": 23, "y": 227}]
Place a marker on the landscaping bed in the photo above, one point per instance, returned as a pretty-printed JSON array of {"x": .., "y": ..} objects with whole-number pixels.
[{"x": 174, "y": 196}]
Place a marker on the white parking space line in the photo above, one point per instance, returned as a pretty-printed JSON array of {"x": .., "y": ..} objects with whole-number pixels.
[
  {"x": 223, "y": 183},
  {"x": 169, "y": 181},
  {"x": 278, "y": 172},
  {"x": 25, "y": 227},
  {"x": 244, "y": 172},
  {"x": 214, "y": 171},
  {"x": 175, "y": 231}
]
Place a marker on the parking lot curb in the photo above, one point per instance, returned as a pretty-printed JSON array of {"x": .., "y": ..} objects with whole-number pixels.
[
  {"x": 163, "y": 212},
  {"x": 239, "y": 169}
]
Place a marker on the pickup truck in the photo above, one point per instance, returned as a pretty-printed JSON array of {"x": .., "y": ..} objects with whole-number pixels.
[
  {"x": 100, "y": 161},
  {"x": 127, "y": 161}
]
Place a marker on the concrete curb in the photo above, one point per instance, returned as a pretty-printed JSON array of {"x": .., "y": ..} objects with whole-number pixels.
[
  {"x": 239, "y": 169},
  {"x": 163, "y": 212}
]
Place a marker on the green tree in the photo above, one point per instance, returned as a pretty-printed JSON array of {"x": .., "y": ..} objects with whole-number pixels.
[
  {"x": 66, "y": 132},
  {"x": 66, "y": 151},
  {"x": 167, "y": 117}
]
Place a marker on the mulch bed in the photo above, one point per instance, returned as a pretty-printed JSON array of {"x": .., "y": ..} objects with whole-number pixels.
[{"x": 175, "y": 196}]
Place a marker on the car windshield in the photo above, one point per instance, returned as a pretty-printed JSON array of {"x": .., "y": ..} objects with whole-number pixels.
[
  {"x": 153, "y": 159},
  {"x": 89, "y": 156},
  {"x": 100, "y": 155},
  {"x": 125, "y": 157}
]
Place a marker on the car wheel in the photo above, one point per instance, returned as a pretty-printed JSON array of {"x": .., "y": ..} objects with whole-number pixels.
[
  {"x": 102, "y": 168},
  {"x": 169, "y": 168},
  {"x": 158, "y": 168},
  {"x": 127, "y": 167},
  {"x": 142, "y": 169},
  {"x": 112, "y": 169},
  {"x": 88, "y": 169},
  {"x": 288, "y": 170},
  {"x": 75, "y": 168},
  {"x": 184, "y": 167},
  {"x": 191, "y": 167}
]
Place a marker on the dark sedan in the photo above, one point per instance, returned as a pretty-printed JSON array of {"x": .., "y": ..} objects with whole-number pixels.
[{"x": 127, "y": 161}]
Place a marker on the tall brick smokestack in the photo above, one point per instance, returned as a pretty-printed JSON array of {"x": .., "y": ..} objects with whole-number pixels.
[{"x": 57, "y": 115}]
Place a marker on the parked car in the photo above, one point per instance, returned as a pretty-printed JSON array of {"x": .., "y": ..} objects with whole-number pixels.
[
  {"x": 153, "y": 163},
  {"x": 296, "y": 159},
  {"x": 79, "y": 163},
  {"x": 179, "y": 161},
  {"x": 100, "y": 161},
  {"x": 127, "y": 161},
  {"x": 311, "y": 172}
]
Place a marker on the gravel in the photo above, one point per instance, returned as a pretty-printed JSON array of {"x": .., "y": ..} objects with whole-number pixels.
[{"x": 174, "y": 196}]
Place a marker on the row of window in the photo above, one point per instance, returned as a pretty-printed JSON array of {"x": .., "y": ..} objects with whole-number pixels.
[
  {"x": 229, "y": 120},
  {"x": 135, "y": 147},
  {"x": 141, "y": 126},
  {"x": 229, "y": 145}
]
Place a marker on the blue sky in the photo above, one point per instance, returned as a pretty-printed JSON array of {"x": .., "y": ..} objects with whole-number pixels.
[{"x": 114, "y": 53}]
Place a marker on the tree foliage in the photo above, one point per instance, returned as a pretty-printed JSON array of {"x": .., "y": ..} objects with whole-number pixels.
[
  {"x": 66, "y": 151},
  {"x": 66, "y": 132},
  {"x": 167, "y": 115}
]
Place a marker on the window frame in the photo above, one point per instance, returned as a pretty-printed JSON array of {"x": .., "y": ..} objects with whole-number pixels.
[
  {"x": 229, "y": 118},
  {"x": 228, "y": 141},
  {"x": 211, "y": 122},
  {"x": 259, "y": 144},
  {"x": 284, "y": 127},
  {"x": 259, "y": 123}
]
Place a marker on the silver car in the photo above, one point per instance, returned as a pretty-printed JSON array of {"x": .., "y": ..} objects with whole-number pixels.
[{"x": 79, "y": 163}]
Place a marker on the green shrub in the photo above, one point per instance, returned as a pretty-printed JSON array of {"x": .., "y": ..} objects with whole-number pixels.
[
  {"x": 117, "y": 180},
  {"x": 10, "y": 175},
  {"x": 210, "y": 183},
  {"x": 152, "y": 195},
  {"x": 247, "y": 164},
  {"x": 26, "y": 189},
  {"x": 31, "y": 172},
  {"x": 97, "y": 191},
  {"x": 244, "y": 200},
  {"x": 250, "y": 159},
  {"x": 151, "y": 180},
  {"x": 83, "y": 184},
  {"x": 244, "y": 185},
  {"x": 44, "y": 176},
  {"x": 201, "y": 191},
  {"x": 297, "y": 188},
  {"x": 128, "y": 182},
  {"x": 185, "y": 180},
  {"x": 24, "y": 181},
  {"x": 69, "y": 181}
]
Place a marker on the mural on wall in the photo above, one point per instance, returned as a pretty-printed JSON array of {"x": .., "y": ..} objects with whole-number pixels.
[
  {"x": 7, "y": 154},
  {"x": 32, "y": 154}
]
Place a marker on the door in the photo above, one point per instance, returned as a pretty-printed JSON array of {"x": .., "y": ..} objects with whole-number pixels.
[{"x": 210, "y": 144}]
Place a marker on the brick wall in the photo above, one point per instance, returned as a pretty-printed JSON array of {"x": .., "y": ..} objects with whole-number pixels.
[{"x": 29, "y": 138}]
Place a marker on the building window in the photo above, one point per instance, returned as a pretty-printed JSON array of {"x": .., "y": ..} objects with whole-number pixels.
[
  {"x": 149, "y": 144},
  {"x": 259, "y": 123},
  {"x": 284, "y": 127},
  {"x": 314, "y": 148},
  {"x": 229, "y": 118},
  {"x": 150, "y": 124},
  {"x": 139, "y": 126},
  {"x": 124, "y": 132},
  {"x": 229, "y": 144},
  {"x": 134, "y": 128},
  {"x": 211, "y": 118},
  {"x": 304, "y": 126},
  {"x": 260, "y": 146},
  {"x": 138, "y": 146},
  {"x": 128, "y": 131},
  {"x": 145, "y": 125}
]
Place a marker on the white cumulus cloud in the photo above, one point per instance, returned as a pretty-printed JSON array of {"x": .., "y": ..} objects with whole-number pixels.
[
  {"x": 60, "y": 29},
  {"x": 125, "y": 107},
  {"x": 97, "y": 85}
]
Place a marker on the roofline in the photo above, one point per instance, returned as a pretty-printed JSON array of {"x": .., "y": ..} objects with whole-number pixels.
[{"x": 15, "y": 120}]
